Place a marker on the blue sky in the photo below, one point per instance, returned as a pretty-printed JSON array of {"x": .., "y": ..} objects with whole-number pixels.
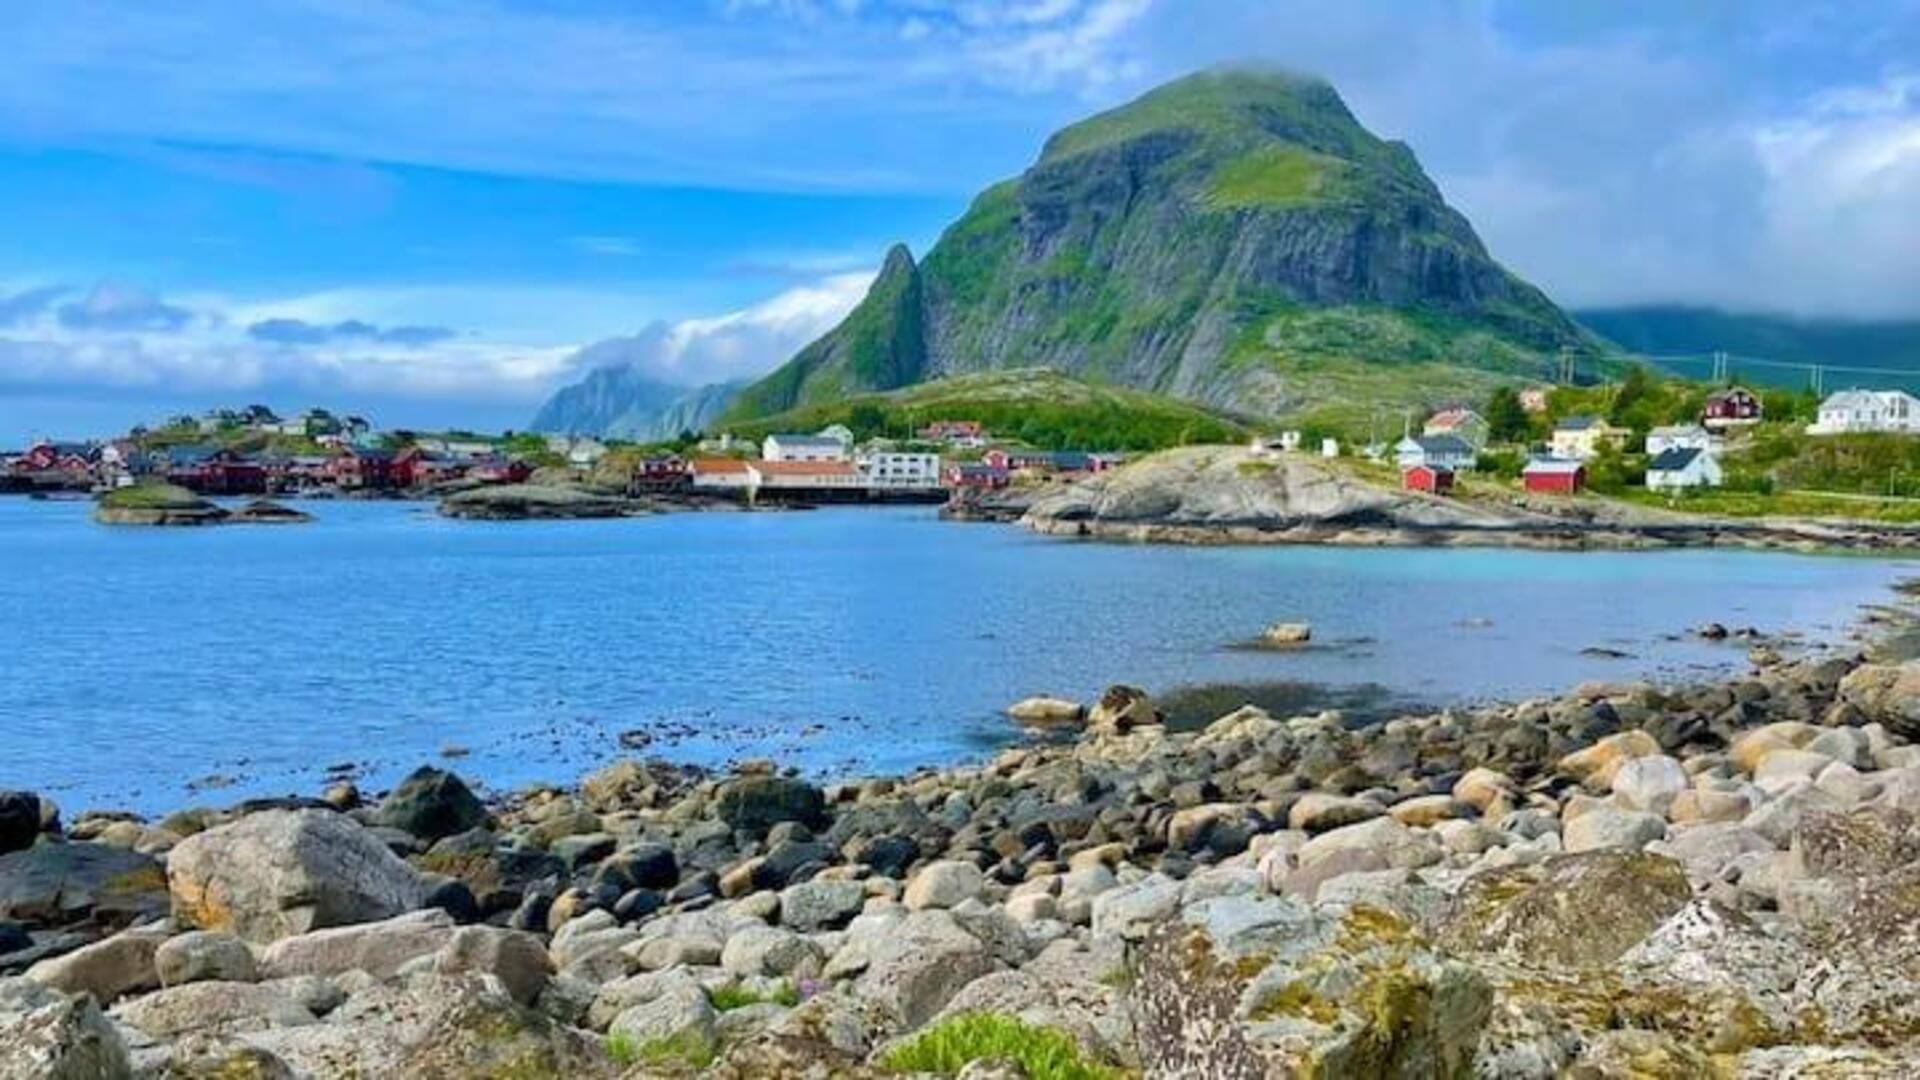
[{"x": 422, "y": 208}]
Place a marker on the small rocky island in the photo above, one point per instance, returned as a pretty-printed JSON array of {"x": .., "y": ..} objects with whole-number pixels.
[
  {"x": 156, "y": 504},
  {"x": 522, "y": 502},
  {"x": 1699, "y": 880},
  {"x": 170, "y": 505}
]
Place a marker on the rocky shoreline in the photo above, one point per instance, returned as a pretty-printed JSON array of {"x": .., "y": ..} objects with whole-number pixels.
[
  {"x": 1224, "y": 495},
  {"x": 1627, "y": 880}
]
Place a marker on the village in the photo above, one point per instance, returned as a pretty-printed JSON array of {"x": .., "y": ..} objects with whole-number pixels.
[
  {"x": 1668, "y": 459},
  {"x": 253, "y": 451}
]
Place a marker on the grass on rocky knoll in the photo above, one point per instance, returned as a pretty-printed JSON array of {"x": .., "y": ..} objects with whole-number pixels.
[
  {"x": 1043, "y": 1053},
  {"x": 729, "y": 998},
  {"x": 151, "y": 497},
  {"x": 1040, "y": 407}
]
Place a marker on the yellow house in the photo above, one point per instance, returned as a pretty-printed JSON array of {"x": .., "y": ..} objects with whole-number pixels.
[{"x": 1581, "y": 437}]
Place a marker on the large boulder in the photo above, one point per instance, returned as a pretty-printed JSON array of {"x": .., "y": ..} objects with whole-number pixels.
[
  {"x": 1246, "y": 987},
  {"x": 514, "y": 957},
  {"x": 918, "y": 965},
  {"x": 48, "y": 1035},
  {"x": 121, "y": 964},
  {"x": 1889, "y": 693},
  {"x": 278, "y": 873},
  {"x": 213, "y": 1006},
  {"x": 378, "y": 948},
  {"x": 57, "y": 884},
  {"x": 431, "y": 804},
  {"x": 757, "y": 803},
  {"x": 1574, "y": 911}
]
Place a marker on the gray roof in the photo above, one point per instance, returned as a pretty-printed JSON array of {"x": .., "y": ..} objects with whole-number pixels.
[
  {"x": 1443, "y": 444},
  {"x": 1577, "y": 423},
  {"x": 1673, "y": 459},
  {"x": 822, "y": 441}
]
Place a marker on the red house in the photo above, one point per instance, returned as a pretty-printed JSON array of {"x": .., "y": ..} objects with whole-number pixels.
[
  {"x": 661, "y": 472},
  {"x": 56, "y": 457},
  {"x": 977, "y": 477},
  {"x": 1432, "y": 479},
  {"x": 1733, "y": 406},
  {"x": 498, "y": 469},
  {"x": 1554, "y": 476},
  {"x": 364, "y": 470},
  {"x": 215, "y": 471}
]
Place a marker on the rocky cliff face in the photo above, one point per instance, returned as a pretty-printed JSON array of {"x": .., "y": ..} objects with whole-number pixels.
[{"x": 1197, "y": 241}]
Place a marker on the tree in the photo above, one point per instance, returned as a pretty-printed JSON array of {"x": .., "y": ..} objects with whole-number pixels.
[
  {"x": 1634, "y": 387},
  {"x": 867, "y": 420},
  {"x": 1507, "y": 419}
]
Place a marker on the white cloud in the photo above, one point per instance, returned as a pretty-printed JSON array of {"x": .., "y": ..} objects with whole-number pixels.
[
  {"x": 738, "y": 344},
  {"x": 120, "y": 337}
]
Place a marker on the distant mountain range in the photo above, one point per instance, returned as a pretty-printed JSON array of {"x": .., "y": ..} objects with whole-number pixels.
[
  {"x": 1889, "y": 346},
  {"x": 620, "y": 402}
]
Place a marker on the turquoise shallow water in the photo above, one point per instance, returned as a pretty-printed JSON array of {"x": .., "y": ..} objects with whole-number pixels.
[{"x": 140, "y": 661}]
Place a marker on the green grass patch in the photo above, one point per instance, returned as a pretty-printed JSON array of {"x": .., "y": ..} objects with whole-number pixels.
[
  {"x": 1799, "y": 504},
  {"x": 728, "y": 998},
  {"x": 946, "y": 1048},
  {"x": 686, "y": 1048},
  {"x": 1276, "y": 177},
  {"x": 151, "y": 497}
]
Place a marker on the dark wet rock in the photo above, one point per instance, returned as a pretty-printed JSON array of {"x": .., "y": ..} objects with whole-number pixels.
[
  {"x": 431, "y": 804},
  {"x": 755, "y": 804},
  {"x": 19, "y": 820},
  {"x": 57, "y": 884}
]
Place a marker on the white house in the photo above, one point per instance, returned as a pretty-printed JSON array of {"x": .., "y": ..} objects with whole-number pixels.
[
  {"x": 1460, "y": 421},
  {"x": 1269, "y": 445},
  {"x": 1867, "y": 410},
  {"x": 1438, "y": 451},
  {"x": 899, "y": 469},
  {"x": 1329, "y": 447},
  {"x": 803, "y": 448},
  {"x": 1683, "y": 467},
  {"x": 1681, "y": 437}
]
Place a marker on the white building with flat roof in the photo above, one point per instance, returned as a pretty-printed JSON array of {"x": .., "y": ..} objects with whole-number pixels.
[
  {"x": 895, "y": 469},
  {"x": 802, "y": 448}
]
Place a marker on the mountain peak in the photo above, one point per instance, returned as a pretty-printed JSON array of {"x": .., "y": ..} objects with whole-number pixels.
[
  {"x": 899, "y": 261},
  {"x": 1235, "y": 237}
]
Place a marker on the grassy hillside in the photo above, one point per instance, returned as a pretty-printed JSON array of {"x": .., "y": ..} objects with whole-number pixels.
[{"x": 1037, "y": 406}]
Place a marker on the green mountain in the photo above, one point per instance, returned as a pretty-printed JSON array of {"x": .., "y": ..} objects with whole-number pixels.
[{"x": 1235, "y": 238}]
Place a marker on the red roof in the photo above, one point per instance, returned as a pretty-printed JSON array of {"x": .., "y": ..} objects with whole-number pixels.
[{"x": 718, "y": 465}]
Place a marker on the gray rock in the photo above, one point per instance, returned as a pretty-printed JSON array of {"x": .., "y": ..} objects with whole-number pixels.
[
  {"x": 944, "y": 884},
  {"x": 770, "y": 950},
  {"x": 283, "y": 872},
  {"x": 757, "y": 803},
  {"x": 380, "y": 948},
  {"x": 47, "y": 1035},
  {"x": 204, "y": 955},
  {"x": 212, "y": 1007},
  {"x": 514, "y": 957},
  {"x": 119, "y": 965},
  {"x": 919, "y": 965},
  {"x": 1603, "y": 827},
  {"x": 821, "y": 904},
  {"x": 681, "y": 1016},
  {"x": 57, "y": 884}
]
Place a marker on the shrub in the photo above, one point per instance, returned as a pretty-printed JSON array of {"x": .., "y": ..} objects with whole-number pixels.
[
  {"x": 946, "y": 1048},
  {"x": 687, "y": 1048}
]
